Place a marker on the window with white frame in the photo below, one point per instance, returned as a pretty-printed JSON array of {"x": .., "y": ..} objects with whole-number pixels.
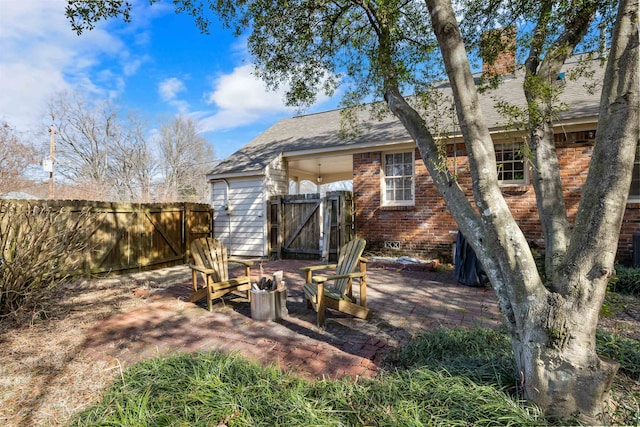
[
  {"x": 634, "y": 191},
  {"x": 512, "y": 166},
  {"x": 397, "y": 179}
]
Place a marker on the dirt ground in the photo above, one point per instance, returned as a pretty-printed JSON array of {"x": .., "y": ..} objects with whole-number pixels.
[{"x": 45, "y": 376}]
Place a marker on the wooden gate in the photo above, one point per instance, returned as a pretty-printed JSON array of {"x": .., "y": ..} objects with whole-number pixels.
[{"x": 310, "y": 227}]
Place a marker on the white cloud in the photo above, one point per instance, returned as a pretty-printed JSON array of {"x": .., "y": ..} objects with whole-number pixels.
[
  {"x": 242, "y": 90},
  {"x": 242, "y": 98},
  {"x": 130, "y": 65},
  {"x": 170, "y": 88},
  {"x": 41, "y": 56}
]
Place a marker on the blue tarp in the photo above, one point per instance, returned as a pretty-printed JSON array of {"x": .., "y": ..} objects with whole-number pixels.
[{"x": 468, "y": 268}]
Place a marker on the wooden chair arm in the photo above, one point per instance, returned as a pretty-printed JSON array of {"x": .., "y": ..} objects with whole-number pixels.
[
  {"x": 202, "y": 269},
  {"x": 307, "y": 270},
  {"x": 241, "y": 261},
  {"x": 244, "y": 280},
  {"x": 322, "y": 279},
  {"x": 363, "y": 259},
  {"x": 318, "y": 267}
]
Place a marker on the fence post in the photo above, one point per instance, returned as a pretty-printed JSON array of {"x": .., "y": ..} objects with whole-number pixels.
[{"x": 274, "y": 226}]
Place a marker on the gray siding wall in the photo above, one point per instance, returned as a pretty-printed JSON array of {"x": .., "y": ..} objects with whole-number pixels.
[{"x": 240, "y": 215}]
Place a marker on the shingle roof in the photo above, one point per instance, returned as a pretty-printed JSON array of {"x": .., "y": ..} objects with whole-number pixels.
[{"x": 323, "y": 130}]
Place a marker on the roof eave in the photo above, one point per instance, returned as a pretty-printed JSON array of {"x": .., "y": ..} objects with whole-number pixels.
[
  {"x": 382, "y": 145},
  {"x": 344, "y": 149},
  {"x": 234, "y": 175}
]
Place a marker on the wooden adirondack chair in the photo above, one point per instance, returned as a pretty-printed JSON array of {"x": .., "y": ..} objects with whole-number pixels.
[
  {"x": 339, "y": 295},
  {"x": 211, "y": 259}
]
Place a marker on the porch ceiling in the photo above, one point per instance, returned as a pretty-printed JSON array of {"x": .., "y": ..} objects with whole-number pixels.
[{"x": 330, "y": 168}]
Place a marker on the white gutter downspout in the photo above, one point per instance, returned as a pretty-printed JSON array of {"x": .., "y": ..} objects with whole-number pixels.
[{"x": 227, "y": 206}]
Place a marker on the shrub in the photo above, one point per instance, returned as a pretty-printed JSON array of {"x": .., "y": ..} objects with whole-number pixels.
[
  {"x": 626, "y": 281},
  {"x": 40, "y": 246},
  {"x": 626, "y": 351}
]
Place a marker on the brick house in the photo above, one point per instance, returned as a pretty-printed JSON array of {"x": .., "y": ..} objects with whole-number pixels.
[
  {"x": 398, "y": 210},
  {"x": 423, "y": 225}
]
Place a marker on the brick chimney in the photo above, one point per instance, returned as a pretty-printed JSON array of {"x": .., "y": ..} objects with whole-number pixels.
[{"x": 498, "y": 51}]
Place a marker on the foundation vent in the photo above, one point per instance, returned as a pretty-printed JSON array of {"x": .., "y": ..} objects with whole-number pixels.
[{"x": 392, "y": 244}]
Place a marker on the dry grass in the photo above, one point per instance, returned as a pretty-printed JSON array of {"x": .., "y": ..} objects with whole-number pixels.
[{"x": 45, "y": 374}]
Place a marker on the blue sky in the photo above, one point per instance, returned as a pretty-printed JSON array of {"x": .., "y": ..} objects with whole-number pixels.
[{"x": 159, "y": 65}]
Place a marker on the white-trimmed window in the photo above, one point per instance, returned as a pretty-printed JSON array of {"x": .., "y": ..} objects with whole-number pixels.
[
  {"x": 512, "y": 167},
  {"x": 634, "y": 191},
  {"x": 397, "y": 179}
]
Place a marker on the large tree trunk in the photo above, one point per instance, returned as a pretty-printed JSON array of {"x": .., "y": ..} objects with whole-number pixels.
[{"x": 553, "y": 331}]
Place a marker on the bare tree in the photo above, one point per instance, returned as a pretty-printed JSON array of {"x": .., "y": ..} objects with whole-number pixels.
[
  {"x": 185, "y": 159},
  {"x": 96, "y": 148},
  {"x": 134, "y": 164},
  {"x": 15, "y": 158},
  {"x": 86, "y": 132}
]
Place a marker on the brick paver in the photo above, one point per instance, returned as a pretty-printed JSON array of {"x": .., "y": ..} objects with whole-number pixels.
[{"x": 403, "y": 303}]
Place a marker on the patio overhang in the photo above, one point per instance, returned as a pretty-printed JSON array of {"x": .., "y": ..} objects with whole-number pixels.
[
  {"x": 332, "y": 164},
  {"x": 321, "y": 169}
]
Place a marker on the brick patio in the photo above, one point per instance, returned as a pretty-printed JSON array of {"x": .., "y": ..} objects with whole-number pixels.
[{"x": 403, "y": 303}]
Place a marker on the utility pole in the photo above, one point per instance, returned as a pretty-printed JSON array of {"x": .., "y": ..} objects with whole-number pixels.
[{"x": 52, "y": 149}]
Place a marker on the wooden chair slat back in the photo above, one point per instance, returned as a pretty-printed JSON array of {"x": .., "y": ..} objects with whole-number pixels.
[
  {"x": 220, "y": 257},
  {"x": 212, "y": 254},
  {"x": 347, "y": 261}
]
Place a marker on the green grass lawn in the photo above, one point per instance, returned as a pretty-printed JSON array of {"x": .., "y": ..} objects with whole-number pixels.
[{"x": 444, "y": 377}]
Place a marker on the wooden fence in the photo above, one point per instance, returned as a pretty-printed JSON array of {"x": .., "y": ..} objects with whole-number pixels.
[{"x": 137, "y": 237}]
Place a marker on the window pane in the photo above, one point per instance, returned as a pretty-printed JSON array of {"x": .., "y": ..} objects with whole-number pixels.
[
  {"x": 408, "y": 158},
  {"x": 397, "y": 158},
  {"x": 388, "y": 194},
  {"x": 391, "y": 183}
]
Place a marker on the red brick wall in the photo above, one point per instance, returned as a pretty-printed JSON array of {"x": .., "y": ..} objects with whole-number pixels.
[{"x": 427, "y": 229}]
